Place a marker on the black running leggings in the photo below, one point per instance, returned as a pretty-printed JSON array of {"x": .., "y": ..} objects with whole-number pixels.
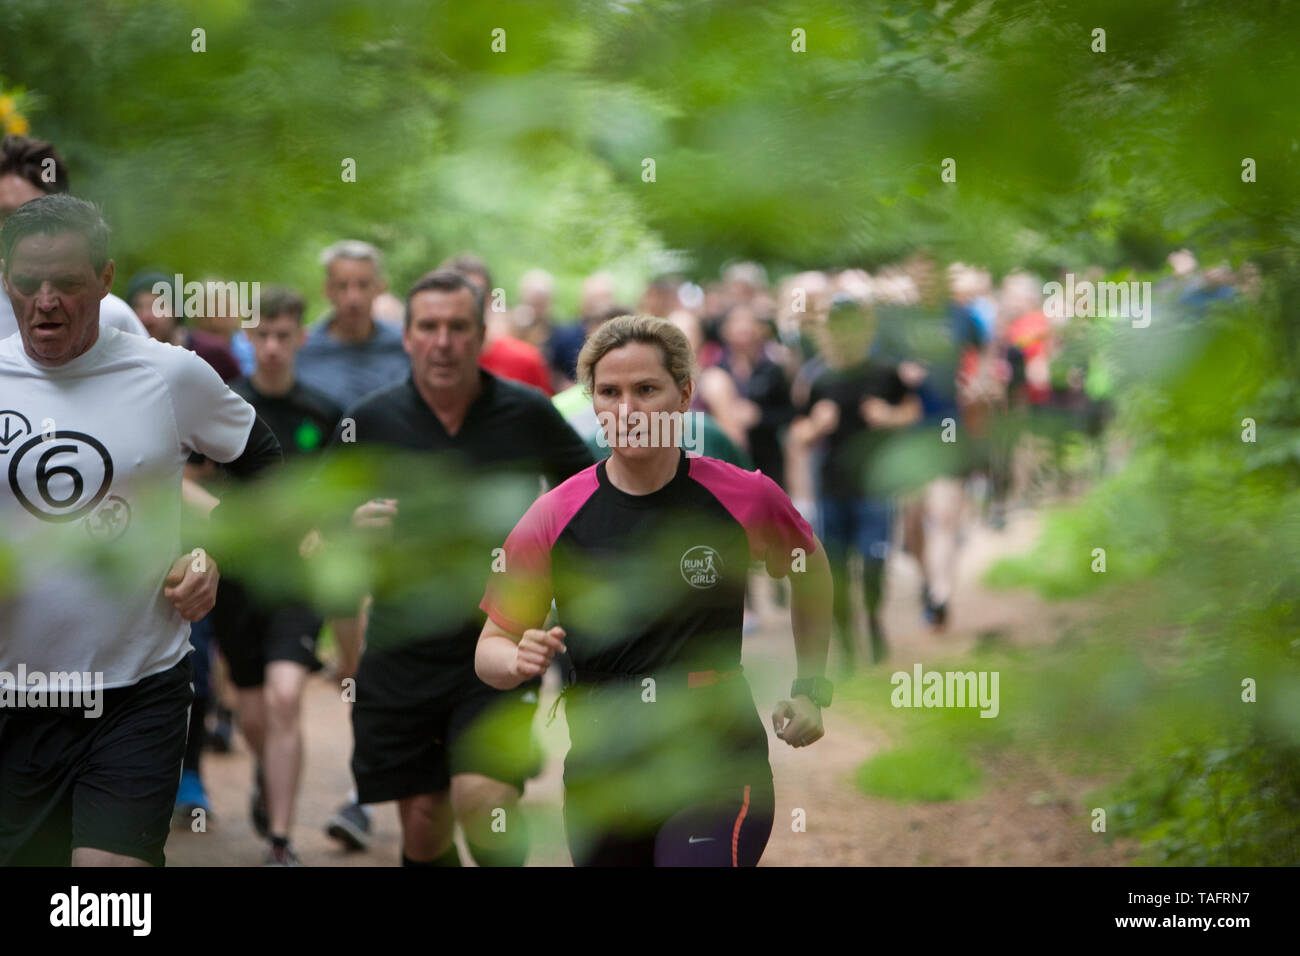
[{"x": 730, "y": 830}]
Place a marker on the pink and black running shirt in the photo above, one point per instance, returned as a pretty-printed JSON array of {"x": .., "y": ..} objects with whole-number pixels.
[{"x": 647, "y": 583}]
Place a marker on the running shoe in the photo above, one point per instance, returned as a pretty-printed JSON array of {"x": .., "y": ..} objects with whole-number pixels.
[
  {"x": 997, "y": 517},
  {"x": 257, "y": 809},
  {"x": 190, "y": 797},
  {"x": 940, "y": 618},
  {"x": 219, "y": 739},
  {"x": 350, "y": 825},
  {"x": 281, "y": 856},
  {"x": 927, "y": 604}
]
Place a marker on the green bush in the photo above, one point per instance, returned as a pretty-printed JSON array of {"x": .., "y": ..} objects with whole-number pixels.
[{"x": 927, "y": 772}]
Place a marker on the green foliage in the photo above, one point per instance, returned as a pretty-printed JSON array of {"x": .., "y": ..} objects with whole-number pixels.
[
  {"x": 1233, "y": 804},
  {"x": 927, "y": 773},
  {"x": 1112, "y": 517},
  {"x": 228, "y": 162},
  {"x": 1200, "y": 537},
  {"x": 1148, "y": 696}
]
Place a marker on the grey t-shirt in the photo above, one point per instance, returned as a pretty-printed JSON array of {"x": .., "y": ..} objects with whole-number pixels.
[{"x": 347, "y": 372}]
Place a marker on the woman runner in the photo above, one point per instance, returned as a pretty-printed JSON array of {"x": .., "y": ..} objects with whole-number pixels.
[{"x": 646, "y": 556}]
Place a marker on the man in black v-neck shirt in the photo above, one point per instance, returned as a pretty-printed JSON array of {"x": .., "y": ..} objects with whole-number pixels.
[{"x": 428, "y": 733}]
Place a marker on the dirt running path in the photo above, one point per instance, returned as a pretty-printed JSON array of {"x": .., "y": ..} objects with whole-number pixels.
[{"x": 1025, "y": 814}]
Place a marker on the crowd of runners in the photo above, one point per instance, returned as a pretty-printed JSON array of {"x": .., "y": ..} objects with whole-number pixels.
[{"x": 816, "y": 422}]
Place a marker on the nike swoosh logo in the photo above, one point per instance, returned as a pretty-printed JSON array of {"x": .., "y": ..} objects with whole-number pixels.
[{"x": 702, "y": 840}]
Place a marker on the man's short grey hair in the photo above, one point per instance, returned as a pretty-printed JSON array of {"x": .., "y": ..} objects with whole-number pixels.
[
  {"x": 53, "y": 215},
  {"x": 352, "y": 249}
]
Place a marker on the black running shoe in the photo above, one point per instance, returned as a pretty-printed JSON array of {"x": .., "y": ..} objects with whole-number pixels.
[
  {"x": 350, "y": 825},
  {"x": 940, "y": 620},
  {"x": 219, "y": 739}
]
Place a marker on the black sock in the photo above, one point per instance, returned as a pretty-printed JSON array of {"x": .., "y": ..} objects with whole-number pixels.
[
  {"x": 449, "y": 858},
  {"x": 279, "y": 842}
]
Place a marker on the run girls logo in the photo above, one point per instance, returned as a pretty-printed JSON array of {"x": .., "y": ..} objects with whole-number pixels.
[{"x": 701, "y": 567}]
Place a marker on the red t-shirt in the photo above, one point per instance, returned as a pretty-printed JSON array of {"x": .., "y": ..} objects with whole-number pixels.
[
  {"x": 518, "y": 361},
  {"x": 1031, "y": 333}
]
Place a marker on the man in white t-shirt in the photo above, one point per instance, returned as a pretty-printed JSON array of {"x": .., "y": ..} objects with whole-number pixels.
[{"x": 95, "y": 428}]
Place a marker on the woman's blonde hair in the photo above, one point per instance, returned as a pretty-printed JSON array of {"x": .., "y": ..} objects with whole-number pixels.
[{"x": 672, "y": 342}]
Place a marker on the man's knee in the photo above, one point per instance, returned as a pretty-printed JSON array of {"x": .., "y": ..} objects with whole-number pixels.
[
  {"x": 943, "y": 500},
  {"x": 88, "y": 856},
  {"x": 425, "y": 809},
  {"x": 283, "y": 693},
  {"x": 488, "y": 812},
  {"x": 283, "y": 709},
  {"x": 477, "y": 799},
  {"x": 426, "y": 824}
]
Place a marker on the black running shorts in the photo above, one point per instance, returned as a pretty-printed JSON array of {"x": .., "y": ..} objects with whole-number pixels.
[
  {"x": 106, "y": 783},
  {"x": 406, "y": 751},
  {"x": 251, "y": 635}
]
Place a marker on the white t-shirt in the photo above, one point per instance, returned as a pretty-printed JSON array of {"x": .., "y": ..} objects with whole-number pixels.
[
  {"x": 91, "y": 459},
  {"x": 112, "y": 312}
]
